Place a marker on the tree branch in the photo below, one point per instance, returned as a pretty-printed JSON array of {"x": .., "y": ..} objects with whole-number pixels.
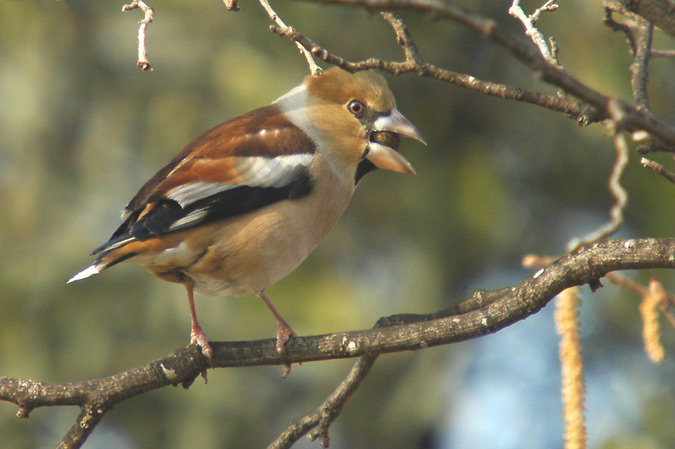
[
  {"x": 529, "y": 21},
  {"x": 413, "y": 63},
  {"x": 274, "y": 17},
  {"x": 617, "y": 191},
  {"x": 483, "y": 313},
  {"x": 321, "y": 418},
  {"x": 639, "y": 68},
  {"x": 659, "y": 12},
  {"x": 658, "y": 168},
  {"x": 632, "y": 118}
]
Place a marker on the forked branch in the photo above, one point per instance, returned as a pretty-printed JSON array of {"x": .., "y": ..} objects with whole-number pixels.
[{"x": 483, "y": 313}]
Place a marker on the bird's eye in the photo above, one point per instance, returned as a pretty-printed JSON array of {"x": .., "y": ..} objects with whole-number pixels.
[{"x": 356, "y": 107}]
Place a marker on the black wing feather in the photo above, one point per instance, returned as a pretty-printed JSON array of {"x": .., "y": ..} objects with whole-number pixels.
[{"x": 229, "y": 203}]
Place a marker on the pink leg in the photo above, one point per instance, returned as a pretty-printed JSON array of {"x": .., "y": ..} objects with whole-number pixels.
[
  {"x": 284, "y": 331},
  {"x": 197, "y": 335}
]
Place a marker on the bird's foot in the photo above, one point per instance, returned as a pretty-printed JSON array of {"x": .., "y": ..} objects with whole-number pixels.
[
  {"x": 284, "y": 333},
  {"x": 202, "y": 340},
  {"x": 198, "y": 336}
]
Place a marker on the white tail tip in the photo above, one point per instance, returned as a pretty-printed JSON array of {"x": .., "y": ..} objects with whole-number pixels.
[{"x": 89, "y": 271}]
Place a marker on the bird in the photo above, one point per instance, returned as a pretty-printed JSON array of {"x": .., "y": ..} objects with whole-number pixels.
[{"x": 244, "y": 203}]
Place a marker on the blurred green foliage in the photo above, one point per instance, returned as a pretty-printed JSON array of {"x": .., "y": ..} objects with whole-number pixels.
[{"x": 81, "y": 128}]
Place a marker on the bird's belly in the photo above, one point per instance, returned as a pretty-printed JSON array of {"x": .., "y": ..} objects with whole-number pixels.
[
  {"x": 235, "y": 270},
  {"x": 247, "y": 256},
  {"x": 248, "y": 253}
]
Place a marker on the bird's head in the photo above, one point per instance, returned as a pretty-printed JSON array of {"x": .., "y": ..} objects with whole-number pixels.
[{"x": 354, "y": 121}]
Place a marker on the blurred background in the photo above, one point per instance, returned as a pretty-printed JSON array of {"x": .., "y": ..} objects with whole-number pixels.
[{"x": 81, "y": 129}]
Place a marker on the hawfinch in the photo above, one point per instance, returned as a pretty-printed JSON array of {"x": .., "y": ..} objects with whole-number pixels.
[{"x": 243, "y": 204}]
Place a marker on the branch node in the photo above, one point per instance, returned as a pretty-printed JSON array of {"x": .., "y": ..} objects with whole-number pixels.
[
  {"x": 284, "y": 30},
  {"x": 23, "y": 412}
]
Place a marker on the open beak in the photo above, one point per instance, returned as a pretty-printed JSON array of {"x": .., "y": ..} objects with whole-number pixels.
[
  {"x": 385, "y": 157},
  {"x": 395, "y": 122}
]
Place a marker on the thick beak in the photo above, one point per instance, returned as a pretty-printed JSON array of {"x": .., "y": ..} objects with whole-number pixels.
[
  {"x": 386, "y": 157},
  {"x": 395, "y": 122}
]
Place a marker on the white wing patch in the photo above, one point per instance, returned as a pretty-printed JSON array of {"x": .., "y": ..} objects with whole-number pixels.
[
  {"x": 193, "y": 217},
  {"x": 255, "y": 171}
]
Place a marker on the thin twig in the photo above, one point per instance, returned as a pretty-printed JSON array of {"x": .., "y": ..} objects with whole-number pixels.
[
  {"x": 85, "y": 424},
  {"x": 649, "y": 146},
  {"x": 314, "y": 69},
  {"x": 149, "y": 13},
  {"x": 529, "y": 21},
  {"x": 618, "y": 193},
  {"x": 583, "y": 114},
  {"x": 522, "y": 50},
  {"x": 619, "y": 27},
  {"x": 663, "y": 54},
  {"x": 321, "y": 419},
  {"x": 403, "y": 37},
  {"x": 658, "y": 12},
  {"x": 667, "y": 305},
  {"x": 549, "y": 6},
  {"x": 658, "y": 168}
]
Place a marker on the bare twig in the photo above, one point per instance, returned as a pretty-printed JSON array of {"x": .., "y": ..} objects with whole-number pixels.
[
  {"x": 658, "y": 12},
  {"x": 85, "y": 424},
  {"x": 582, "y": 114},
  {"x": 618, "y": 192},
  {"x": 143, "y": 62},
  {"x": 639, "y": 67},
  {"x": 619, "y": 27},
  {"x": 529, "y": 21},
  {"x": 403, "y": 38},
  {"x": 648, "y": 146},
  {"x": 549, "y": 6},
  {"x": 321, "y": 419},
  {"x": 633, "y": 119},
  {"x": 314, "y": 69},
  {"x": 663, "y": 54},
  {"x": 658, "y": 168}
]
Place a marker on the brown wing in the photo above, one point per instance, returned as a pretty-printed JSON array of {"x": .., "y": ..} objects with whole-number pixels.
[
  {"x": 239, "y": 166},
  {"x": 207, "y": 157}
]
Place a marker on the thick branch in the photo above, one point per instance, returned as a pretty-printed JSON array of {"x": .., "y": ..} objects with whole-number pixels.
[{"x": 485, "y": 312}]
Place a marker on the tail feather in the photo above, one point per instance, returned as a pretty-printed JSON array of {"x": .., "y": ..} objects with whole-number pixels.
[
  {"x": 108, "y": 255},
  {"x": 91, "y": 270}
]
